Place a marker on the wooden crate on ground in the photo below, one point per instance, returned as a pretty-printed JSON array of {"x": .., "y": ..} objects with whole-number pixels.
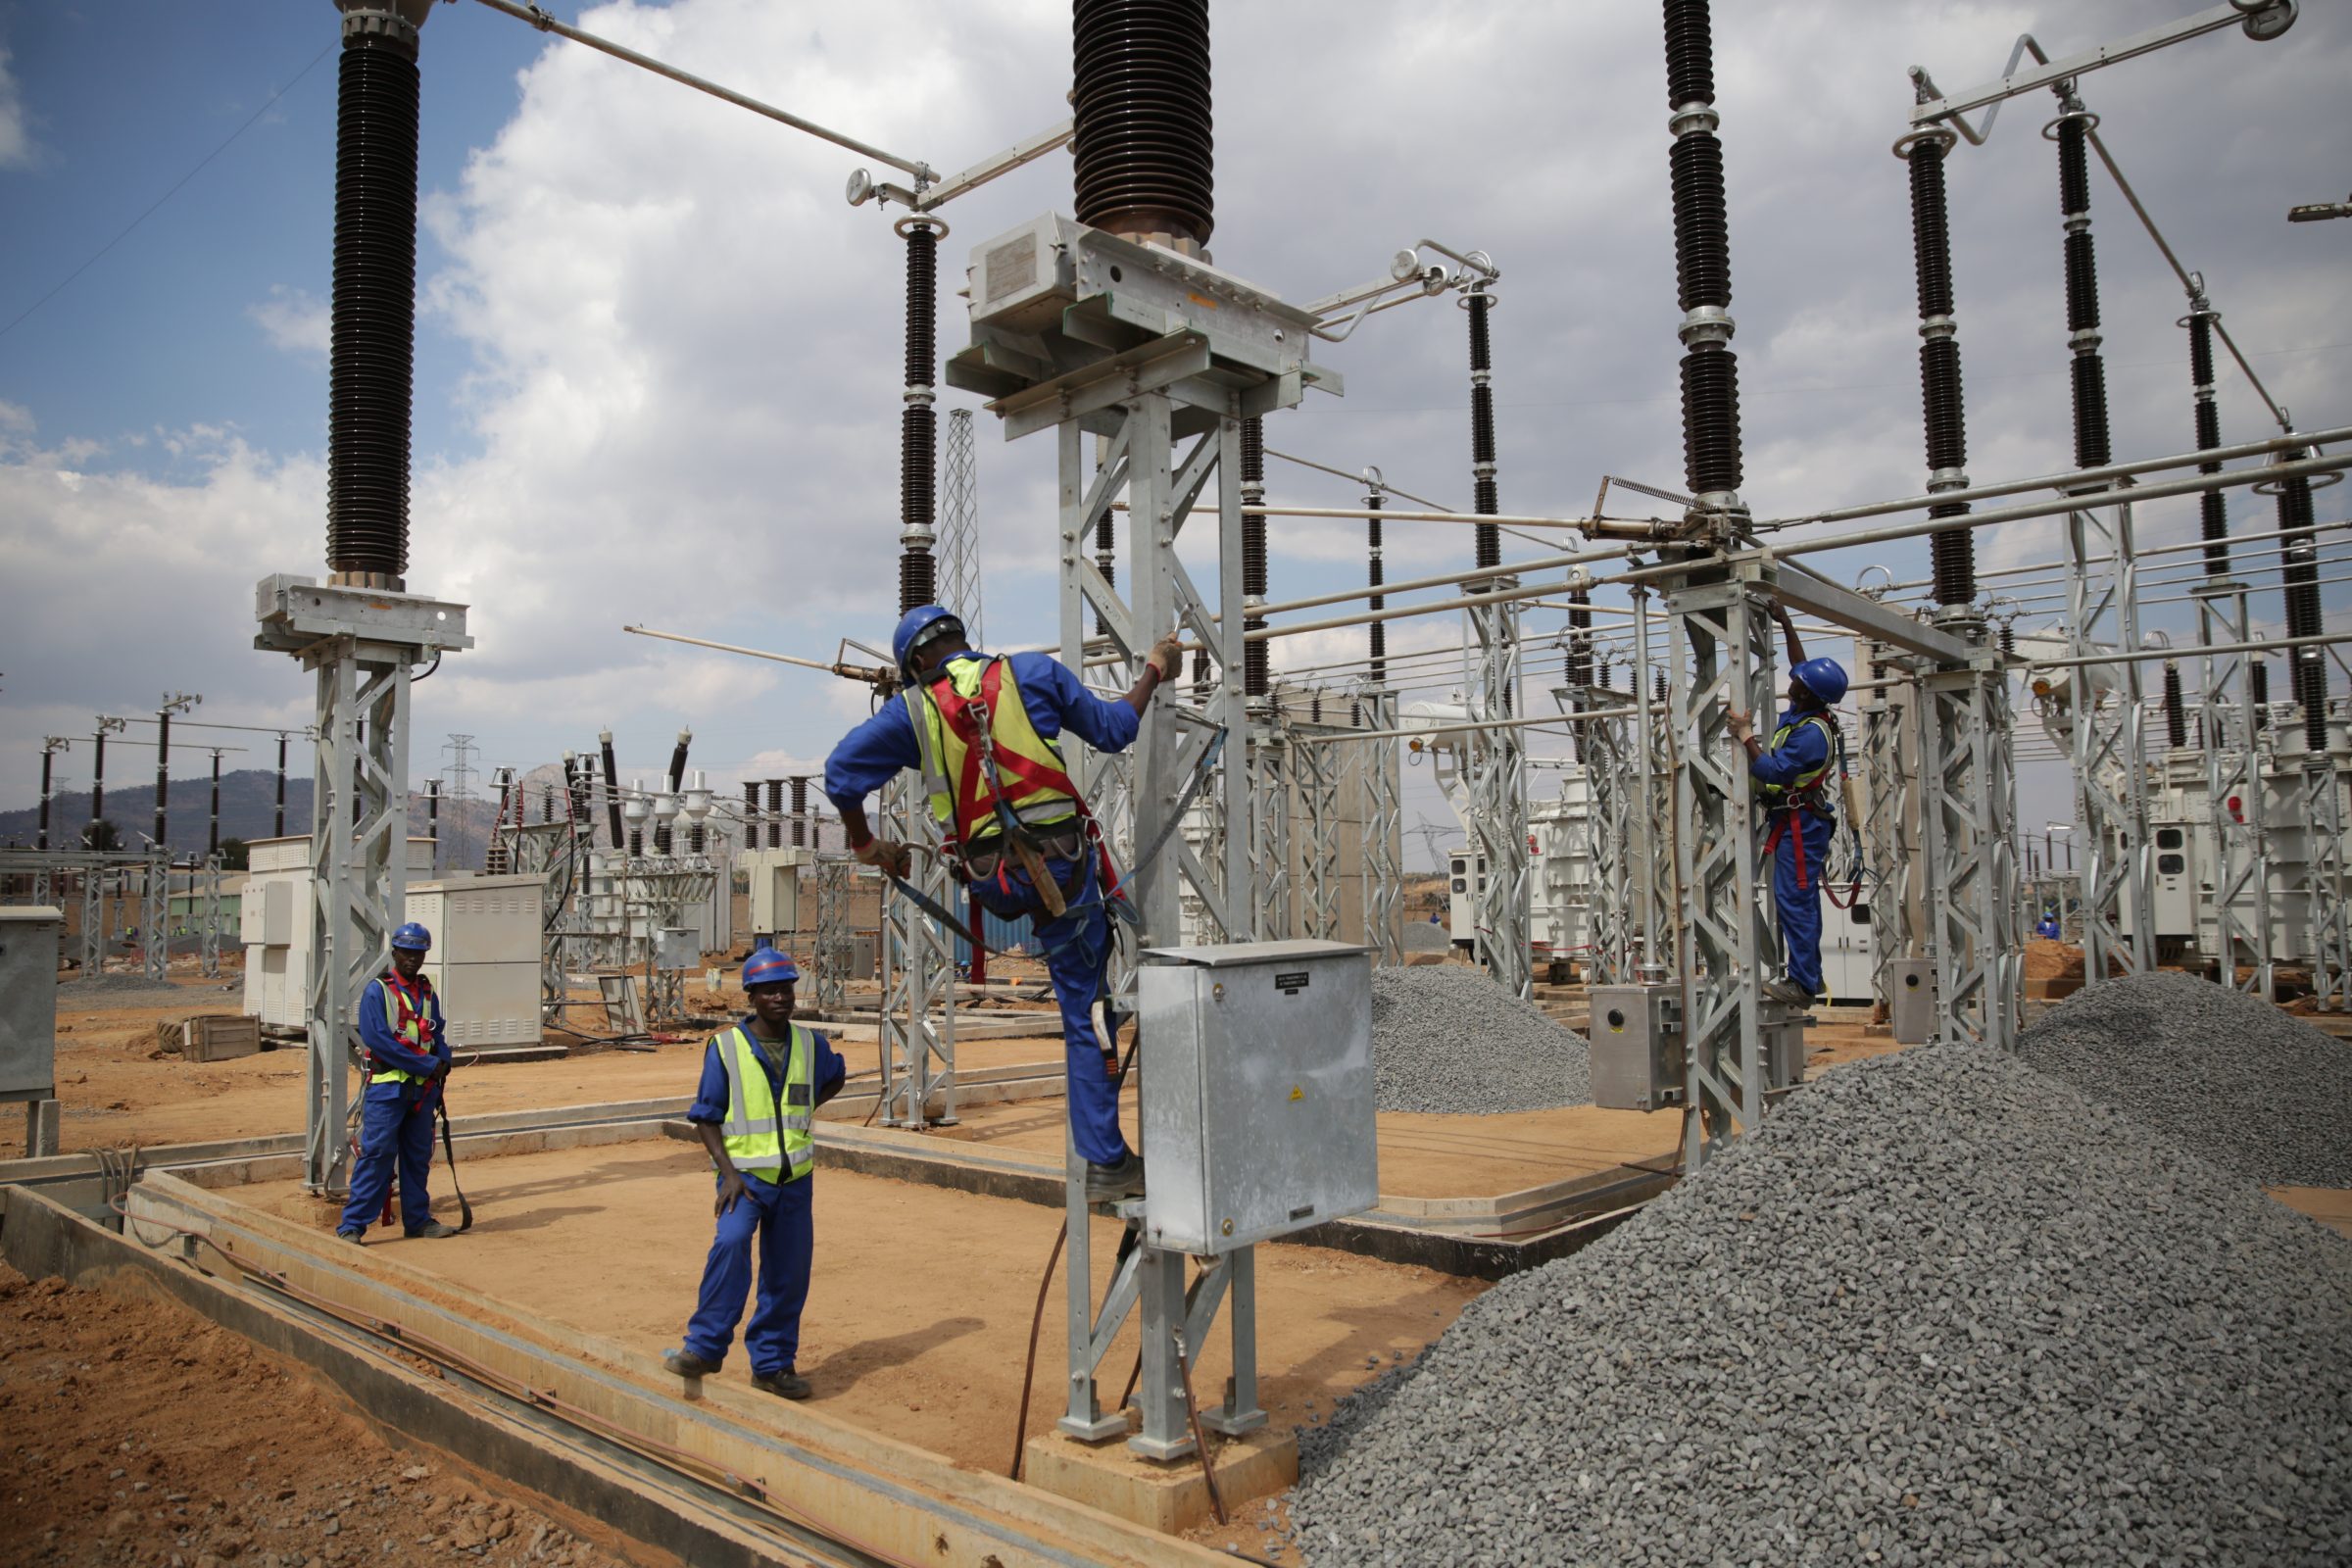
[{"x": 215, "y": 1036}]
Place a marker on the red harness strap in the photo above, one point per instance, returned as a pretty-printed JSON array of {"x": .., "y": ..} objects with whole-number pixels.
[
  {"x": 957, "y": 712},
  {"x": 1781, "y": 823}
]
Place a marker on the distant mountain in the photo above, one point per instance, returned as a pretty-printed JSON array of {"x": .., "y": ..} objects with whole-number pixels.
[{"x": 248, "y": 810}]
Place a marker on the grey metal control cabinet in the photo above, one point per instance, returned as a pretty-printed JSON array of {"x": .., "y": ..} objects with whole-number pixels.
[
  {"x": 1257, "y": 1091},
  {"x": 29, "y": 938},
  {"x": 1911, "y": 1001},
  {"x": 1637, "y": 1057}
]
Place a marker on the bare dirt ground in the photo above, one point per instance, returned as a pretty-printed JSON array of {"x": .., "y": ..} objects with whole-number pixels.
[
  {"x": 137, "y": 1432},
  {"x": 119, "y": 1088},
  {"x": 918, "y": 1317}
]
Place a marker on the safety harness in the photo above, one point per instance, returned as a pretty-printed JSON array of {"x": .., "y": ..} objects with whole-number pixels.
[{"x": 1784, "y": 802}]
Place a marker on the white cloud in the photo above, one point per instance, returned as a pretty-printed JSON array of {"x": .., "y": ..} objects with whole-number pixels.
[
  {"x": 683, "y": 352},
  {"x": 17, "y": 147},
  {"x": 293, "y": 319}
]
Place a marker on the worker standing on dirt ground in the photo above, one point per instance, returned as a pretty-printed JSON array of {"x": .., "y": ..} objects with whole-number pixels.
[
  {"x": 1795, "y": 777},
  {"x": 2048, "y": 928},
  {"x": 983, "y": 731},
  {"x": 407, "y": 1061},
  {"x": 762, "y": 1080}
]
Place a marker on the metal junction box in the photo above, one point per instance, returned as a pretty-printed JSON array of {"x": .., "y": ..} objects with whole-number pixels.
[
  {"x": 1911, "y": 999},
  {"x": 1257, "y": 1091},
  {"x": 1637, "y": 1055},
  {"x": 1783, "y": 1030},
  {"x": 29, "y": 938}
]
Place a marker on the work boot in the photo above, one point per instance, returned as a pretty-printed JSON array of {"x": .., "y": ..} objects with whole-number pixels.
[
  {"x": 432, "y": 1230},
  {"x": 1788, "y": 991},
  {"x": 787, "y": 1383},
  {"x": 353, "y": 1237},
  {"x": 1108, "y": 1184},
  {"x": 687, "y": 1364}
]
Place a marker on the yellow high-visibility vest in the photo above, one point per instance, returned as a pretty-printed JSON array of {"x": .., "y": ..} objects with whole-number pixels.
[
  {"x": 1036, "y": 783},
  {"x": 412, "y": 1035},
  {"x": 763, "y": 1140},
  {"x": 1782, "y": 794}
]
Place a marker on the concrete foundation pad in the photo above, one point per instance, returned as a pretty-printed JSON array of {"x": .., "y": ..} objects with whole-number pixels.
[{"x": 1170, "y": 1497}]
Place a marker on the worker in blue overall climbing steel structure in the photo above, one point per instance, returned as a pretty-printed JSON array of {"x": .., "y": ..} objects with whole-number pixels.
[
  {"x": 983, "y": 732},
  {"x": 755, "y": 1109},
  {"x": 1796, "y": 777},
  {"x": 408, "y": 1058}
]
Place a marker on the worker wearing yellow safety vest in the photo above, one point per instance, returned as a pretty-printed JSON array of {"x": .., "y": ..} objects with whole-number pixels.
[
  {"x": 985, "y": 732},
  {"x": 402, "y": 1033},
  {"x": 1796, "y": 779},
  {"x": 755, "y": 1109}
]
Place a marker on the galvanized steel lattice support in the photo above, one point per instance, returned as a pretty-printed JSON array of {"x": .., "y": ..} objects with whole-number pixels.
[
  {"x": 2322, "y": 791},
  {"x": 1889, "y": 825},
  {"x": 1969, "y": 793},
  {"x": 1383, "y": 823},
  {"x": 918, "y": 972},
  {"x": 2105, "y": 742},
  {"x": 1719, "y": 659},
  {"x": 1495, "y": 786},
  {"x": 2233, "y": 793}
]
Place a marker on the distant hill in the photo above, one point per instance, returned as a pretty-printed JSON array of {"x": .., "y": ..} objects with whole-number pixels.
[{"x": 248, "y": 810}]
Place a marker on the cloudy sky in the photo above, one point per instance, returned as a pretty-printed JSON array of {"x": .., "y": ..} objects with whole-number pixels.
[{"x": 657, "y": 356}]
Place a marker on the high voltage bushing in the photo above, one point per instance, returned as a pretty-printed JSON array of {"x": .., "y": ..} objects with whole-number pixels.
[
  {"x": 2176, "y": 708},
  {"x": 918, "y": 427},
  {"x": 1953, "y": 553},
  {"x": 1143, "y": 144},
  {"x": 750, "y": 813},
  {"x": 775, "y": 814},
  {"x": 1375, "y": 575},
  {"x": 603, "y": 741},
  {"x": 2214, "y": 509},
  {"x": 372, "y": 336},
  {"x": 1702, "y": 261},
  {"x": 2073, "y": 133},
  {"x": 800, "y": 810},
  {"x": 1484, "y": 499},
  {"x": 1255, "y": 668},
  {"x": 2307, "y": 668},
  {"x": 2258, "y": 673},
  {"x": 2008, "y": 640},
  {"x": 1579, "y": 637}
]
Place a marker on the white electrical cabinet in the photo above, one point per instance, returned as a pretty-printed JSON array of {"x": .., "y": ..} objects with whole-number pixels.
[
  {"x": 1845, "y": 955},
  {"x": 1257, "y": 1106},
  {"x": 774, "y": 878},
  {"x": 1465, "y": 883},
  {"x": 485, "y": 955},
  {"x": 275, "y": 926}
]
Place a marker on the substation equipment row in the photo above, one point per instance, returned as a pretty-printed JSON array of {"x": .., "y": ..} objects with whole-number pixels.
[{"x": 1153, "y": 368}]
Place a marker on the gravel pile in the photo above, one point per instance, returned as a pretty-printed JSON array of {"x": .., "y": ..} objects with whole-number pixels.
[
  {"x": 1446, "y": 1037},
  {"x": 1422, "y": 937},
  {"x": 2218, "y": 1073},
  {"x": 1941, "y": 1309}
]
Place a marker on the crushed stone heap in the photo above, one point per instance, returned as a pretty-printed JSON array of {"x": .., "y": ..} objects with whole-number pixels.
[
  {"x": 1941, "y": 1309},
  {"x": 1448, "y": 1039},
  {"x": 2216, "y": 1072}
]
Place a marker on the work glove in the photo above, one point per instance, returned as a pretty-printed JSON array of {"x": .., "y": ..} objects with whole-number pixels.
[
  {"x": 1167, "y": 657},
  {"x": 888, "y": 855}
]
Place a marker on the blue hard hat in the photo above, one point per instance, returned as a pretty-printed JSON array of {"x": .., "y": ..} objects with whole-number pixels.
[
  {"x": 413, "y": 938},
  {"x": 1824, "y": 678},
  {"x": 767, "y": 968},
  {"x": 917, "y": 626}
]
